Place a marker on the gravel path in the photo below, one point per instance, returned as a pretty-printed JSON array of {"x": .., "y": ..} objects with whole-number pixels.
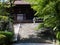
[
  {"x": 25, "y": 30},
  {"x": 26, "y": 33}
]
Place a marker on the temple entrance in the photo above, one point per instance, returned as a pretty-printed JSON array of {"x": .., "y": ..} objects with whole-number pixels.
[
  {"x": 20, "y": 17},
  {"x": 23, "y": 13},
  {"x": 25, "y": 30}
]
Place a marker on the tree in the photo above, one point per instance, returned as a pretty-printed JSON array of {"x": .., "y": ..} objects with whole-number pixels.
[
  {"x": 49, "y": 11},
  {"x": 5, "y": 18}
]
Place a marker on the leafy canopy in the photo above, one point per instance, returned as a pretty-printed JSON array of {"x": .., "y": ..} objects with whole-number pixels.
[{"x": 49, "y": 10}]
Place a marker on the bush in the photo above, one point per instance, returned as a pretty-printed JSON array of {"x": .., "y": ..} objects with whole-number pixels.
[
  {"x": 2, "y": 39},
  {"x": 4, "y": 18},
  {"x": 9, "y": 36},
  {"x": 58, "y": 36},
  {"x": 5, "y": 23}
]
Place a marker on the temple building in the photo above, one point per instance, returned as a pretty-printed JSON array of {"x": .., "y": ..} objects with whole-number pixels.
[{"x": 22, "y": 12}]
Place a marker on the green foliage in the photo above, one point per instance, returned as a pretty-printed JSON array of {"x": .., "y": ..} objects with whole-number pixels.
[
  {"x": 2, "y": 39},
  {"x": 4, "y": 22},
  {"x": 49, "y": 10},
  {"x": 4, "y": 18},
  {"x": 58, "y": 35},
  {"x": 6, "y": 34},
  {"x": 6, "y": 37},
  {"x": 3, "y": 8}
]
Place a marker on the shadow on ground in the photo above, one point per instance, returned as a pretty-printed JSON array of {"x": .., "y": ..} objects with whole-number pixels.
[{"x": 39, "y": 39}]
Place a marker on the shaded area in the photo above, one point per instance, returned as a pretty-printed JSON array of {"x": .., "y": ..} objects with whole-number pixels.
[
  {"x": 43, "y": 37},
  {"x": 34, "y": 40},
  {"x": 32, "y": 44}
]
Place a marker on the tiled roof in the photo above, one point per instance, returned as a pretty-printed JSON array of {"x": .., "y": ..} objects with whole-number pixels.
[{"x": 21, "y": 2}]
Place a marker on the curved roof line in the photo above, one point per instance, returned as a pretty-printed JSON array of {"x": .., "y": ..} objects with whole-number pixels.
[{"x": 21, "y": 2}]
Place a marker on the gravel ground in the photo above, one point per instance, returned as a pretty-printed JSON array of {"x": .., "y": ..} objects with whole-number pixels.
[{"x": 26, "y": 31}]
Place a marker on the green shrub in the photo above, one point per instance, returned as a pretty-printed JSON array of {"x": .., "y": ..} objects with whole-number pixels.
[
  {"x": 9, "y": 36},
  {"x": 2, "y": 39},
  {"x": 4, "y": 18},
  {"x": 5, "y": 23},
  {"x": 58, "y": 36}
]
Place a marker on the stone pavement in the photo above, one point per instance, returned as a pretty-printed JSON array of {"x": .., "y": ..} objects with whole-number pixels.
[{"x": 33, "y": 44}]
